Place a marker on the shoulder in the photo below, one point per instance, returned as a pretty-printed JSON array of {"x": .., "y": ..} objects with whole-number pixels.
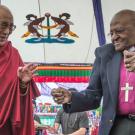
[
  {"x": 10, "y": 45},
  {"x": 15, "y": 49},
  {"x": 105, "y": 50}
]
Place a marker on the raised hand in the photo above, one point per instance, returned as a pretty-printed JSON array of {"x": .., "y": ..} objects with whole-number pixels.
[
  {"x": 26, "y": 72},
  {"x": 61, "y": 95}
]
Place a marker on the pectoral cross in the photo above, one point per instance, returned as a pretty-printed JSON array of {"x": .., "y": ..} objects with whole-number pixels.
[{"x": 127, "y": 88}]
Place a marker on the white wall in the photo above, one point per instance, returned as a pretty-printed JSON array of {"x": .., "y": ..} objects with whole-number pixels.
[
  {"x": 81, "y": 15},
  {"x": 84, "y": 25},
  {"x": 110, "y": 7}
]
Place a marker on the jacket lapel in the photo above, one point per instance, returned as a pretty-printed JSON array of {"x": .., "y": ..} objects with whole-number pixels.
[{"x": 113, "y": 75}]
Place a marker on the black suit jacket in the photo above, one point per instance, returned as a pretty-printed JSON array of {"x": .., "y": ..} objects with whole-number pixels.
[{"x": 104, "y": 83}]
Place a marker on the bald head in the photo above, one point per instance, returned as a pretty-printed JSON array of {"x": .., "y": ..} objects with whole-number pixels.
[
  {"x": 122, "y": 29},
  {"x": 6, "y": 24},
  {"x": 124, "y": 15},
  {"x": 125, "y": 12},
  {"x": 5, "y": 12}
]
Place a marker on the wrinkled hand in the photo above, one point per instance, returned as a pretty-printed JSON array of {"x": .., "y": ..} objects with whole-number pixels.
[
  {"x": 61, "y": 95},
  {"x": 129, "y": 60},
  {"x": 26, "y": 72}
]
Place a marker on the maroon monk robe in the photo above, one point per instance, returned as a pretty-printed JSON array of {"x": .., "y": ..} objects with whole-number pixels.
[{"x": 16, "y": 116}]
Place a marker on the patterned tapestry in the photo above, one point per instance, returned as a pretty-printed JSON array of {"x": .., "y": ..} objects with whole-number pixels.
[{"x": 49, "y": 76}]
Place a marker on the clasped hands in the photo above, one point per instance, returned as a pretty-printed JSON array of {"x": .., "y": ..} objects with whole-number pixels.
[
  {"x": 61, "y": 95},
  {"x": 129, "y": 60}
]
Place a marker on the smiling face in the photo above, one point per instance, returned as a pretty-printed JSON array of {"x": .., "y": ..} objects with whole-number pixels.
[
  {"x": 6, "y": 24},
  {"x": 122, "y": 30}
]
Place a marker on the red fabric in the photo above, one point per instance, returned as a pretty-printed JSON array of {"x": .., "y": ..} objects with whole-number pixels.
[
  {"x": 61, "y": 79},
  {"x": 15, "y": 111},
  {"x": 94, "y": 130}
]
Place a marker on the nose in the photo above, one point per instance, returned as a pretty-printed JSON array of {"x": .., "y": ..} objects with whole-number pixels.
[{"x": 7, "y": 31}]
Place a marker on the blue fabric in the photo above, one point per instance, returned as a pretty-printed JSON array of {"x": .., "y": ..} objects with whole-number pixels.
[{"x": 99, "y": 21}]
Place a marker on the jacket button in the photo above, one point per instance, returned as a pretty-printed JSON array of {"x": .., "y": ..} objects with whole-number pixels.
[{"x": 110, "y": 121}]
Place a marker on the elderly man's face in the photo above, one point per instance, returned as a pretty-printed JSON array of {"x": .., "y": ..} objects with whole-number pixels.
[
  {"x": 122, "y": 33},
  {"x": 6, "y": 25}
]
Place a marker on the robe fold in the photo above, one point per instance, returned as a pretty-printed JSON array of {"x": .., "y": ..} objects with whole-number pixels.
[{"x": 16, "y": 112}]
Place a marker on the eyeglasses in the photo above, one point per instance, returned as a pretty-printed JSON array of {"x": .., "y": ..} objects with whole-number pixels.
[{"x": 4, "y": 25}]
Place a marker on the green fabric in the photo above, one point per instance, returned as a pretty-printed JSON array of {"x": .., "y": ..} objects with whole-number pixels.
[{"x": 64, "y": 72}]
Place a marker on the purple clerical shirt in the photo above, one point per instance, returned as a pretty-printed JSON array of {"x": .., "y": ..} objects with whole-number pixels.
[{"x": 126, "y": 105}]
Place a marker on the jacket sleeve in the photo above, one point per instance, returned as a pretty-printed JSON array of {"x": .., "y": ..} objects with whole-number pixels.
[{"x": 90, "y": 98}]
